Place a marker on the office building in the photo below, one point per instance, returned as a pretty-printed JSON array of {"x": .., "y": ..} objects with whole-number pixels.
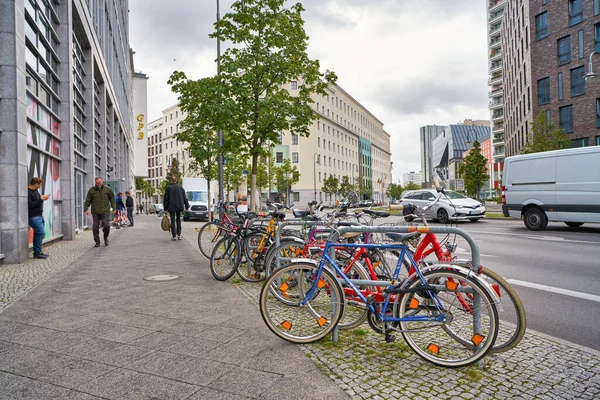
[
  {"x": 427, "y": 134},
  {"x": 65, "y": 112}
]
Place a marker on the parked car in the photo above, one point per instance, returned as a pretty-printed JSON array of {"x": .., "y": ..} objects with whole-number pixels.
[
  {"x": 365, "y": 203},
  {"x": 451, "y": 207},
  {"x": 156, "y": 209}
]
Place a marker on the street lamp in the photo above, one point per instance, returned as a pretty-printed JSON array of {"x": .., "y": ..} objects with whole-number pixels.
[
  {"x": 591, "y": 74},
  {"x": 317, "y": 160}
]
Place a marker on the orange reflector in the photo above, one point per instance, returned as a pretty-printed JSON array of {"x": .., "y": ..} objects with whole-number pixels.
[
  {"x": 284, "y": 287},
  {"x": 287, "y": 325},
  {"x": 433, "y": 348},
  {"x": 412, "y": 229},
  {"x": 414, "y": 303},
  {"x": 321, "y": 284},
  {"x": 477, "y": 339},
  {"x": 496, "y": 288},
  {"x": 322, "y": 321},
  {"x": 424, "y": 229},
  {"x": 450, "y": 285}
]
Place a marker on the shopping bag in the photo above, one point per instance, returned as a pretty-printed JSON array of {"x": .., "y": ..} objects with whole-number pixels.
[{"x": 165, "y": 223}]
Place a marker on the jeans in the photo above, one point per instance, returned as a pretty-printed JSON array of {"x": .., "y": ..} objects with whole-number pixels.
[
  {"x": 37, "y": 223},
  {"x": 96, "y": 226},
  {"x": 130, "y": 215},
  {"x": 174, "y": 222}
]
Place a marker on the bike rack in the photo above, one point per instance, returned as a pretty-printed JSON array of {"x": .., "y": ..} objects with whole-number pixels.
[{"x": 475, "y": 256}]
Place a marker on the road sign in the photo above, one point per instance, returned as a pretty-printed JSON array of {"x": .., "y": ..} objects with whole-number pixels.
[{"x": 459, "y": 184}]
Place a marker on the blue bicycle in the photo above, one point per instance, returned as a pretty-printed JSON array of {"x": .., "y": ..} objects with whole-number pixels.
[{"x": 303, "y": 301}]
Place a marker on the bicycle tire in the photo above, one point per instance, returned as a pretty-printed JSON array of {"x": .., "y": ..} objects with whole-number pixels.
[
  {"x": 225, "y": 258},
  {"x": 355, "y": 310},
  {"x": 208, "y": 236},
  {"x": 287, "y": 250},
  {"x": 431, "y": 340},
  {"x": 249, "y": 269},
  {"x": 307, "y": 323}
]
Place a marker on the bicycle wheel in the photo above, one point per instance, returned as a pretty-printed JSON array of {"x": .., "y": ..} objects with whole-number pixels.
[
  {"x": 249, "y": 269},
  {"x": 355, "y": 310},
  {"x": 225, "y": 258},
  {"x": 208, "y": 236},
  {"x": 278, "y": 256},
  {"x": 437, "y": 342},
  {"x": 296, "y": 322}
]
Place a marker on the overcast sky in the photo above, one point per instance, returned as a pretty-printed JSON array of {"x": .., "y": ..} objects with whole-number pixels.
[{"x": 409, "y": 62}]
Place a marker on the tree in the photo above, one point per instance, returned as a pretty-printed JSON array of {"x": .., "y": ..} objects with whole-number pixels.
[
  {"x": 232, "y": 172},
  {"x": 286, "y": 175},
  {"x": 173, "y": 172},
  {"x": 412, "y": 186},
  {"x": 474, "y": 170},
  {"x": 267, "y": 53},
  {"x": 330, "y": 186},
  {"x": 394, "y": 190},
  {"x": 543, "y": 136},
  {"x": 145, "y": 187},
  {"x": 264, "y": 174},
  {"x": 345, "y": 186}
]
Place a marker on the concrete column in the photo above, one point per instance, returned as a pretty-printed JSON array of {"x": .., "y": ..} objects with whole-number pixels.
[{"x": 14, "y": 226}]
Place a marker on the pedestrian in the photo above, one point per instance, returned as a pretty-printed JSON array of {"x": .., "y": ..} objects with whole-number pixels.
[
  {"x": 142, "y": 209},
  {"x": 129, "y": 206},
  {"x": 36, "y": 215},
  {"x": 120, "y": 209},
  {"x": 174, "y": 202},
  {"x": 101, "y": 198}
]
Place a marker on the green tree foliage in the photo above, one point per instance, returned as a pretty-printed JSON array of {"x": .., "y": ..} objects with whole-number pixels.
[
  {"x": 474, "y": 170},
  {"x": 267, "y": 49},
  {"x": 394, "y": 190},
  {"x": 232, "y": 172},
  {"x": 331, "y": 186},
  {"x": 173, "y": 172},
  {"x": 345, "y": 186},
  {"x": 286, "y": 175},
  {"x": 412, "y": 186},
  {"x": 264, "y": 174},
  {"x": 544, "y": 136},
  {"x": 145, "y": 187}
]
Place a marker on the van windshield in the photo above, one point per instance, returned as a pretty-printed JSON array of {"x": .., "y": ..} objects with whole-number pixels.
[{"x": 196, "y": 196}]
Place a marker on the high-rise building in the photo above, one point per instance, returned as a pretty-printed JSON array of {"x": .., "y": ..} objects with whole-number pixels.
[
  {"x": 563, "y": 36},
  {"x": 65, "y": 111},
  {"x": 427, "y": 134},
  {"x": 497, "y": 93},
  {"x": 411, "y": 177}
]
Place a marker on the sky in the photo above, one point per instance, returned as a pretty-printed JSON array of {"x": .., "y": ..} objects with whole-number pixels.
[{"x": 411, "y": 63}]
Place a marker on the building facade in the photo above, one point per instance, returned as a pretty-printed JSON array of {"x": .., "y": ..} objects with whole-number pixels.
[
  {"x": 563, "y": 36},
  {"x": 496, "y": 63},
  {"x": 427, "y": 134},
  {"x": 65, "y": 106},
  {"x": 411, "y": 177}
]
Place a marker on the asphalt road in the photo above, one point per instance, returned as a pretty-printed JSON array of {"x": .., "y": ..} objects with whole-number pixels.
[{"x": 556, "y": 273}]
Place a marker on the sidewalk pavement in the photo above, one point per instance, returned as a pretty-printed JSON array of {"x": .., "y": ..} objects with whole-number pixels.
[
  {"x": 97, "y": 329},
  {"x": 94, "y": 328}
]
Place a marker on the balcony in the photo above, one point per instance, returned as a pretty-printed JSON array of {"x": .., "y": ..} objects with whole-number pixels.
[
  {"x": 496, "y": 17},
  {"x": 495, "y": 104},
  {"x": 495, "y": 78},
  {"x": 497, "y": 128},
  {"x": 498, "y": 115},
  {"x": 495, "y": 43},
  {"x": 495, "y": 54},
  {"x": 495, "y": 5},
  {"x": 495, "y": 30},
  {"x": 496, "y": 67}
]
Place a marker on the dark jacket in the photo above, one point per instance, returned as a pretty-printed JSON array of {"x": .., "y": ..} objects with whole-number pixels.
[
  {"x": 175, "y": 198},
  {"x": 36, "y": 204},
  {"x": 100, "y": 199},
  {"x": 129, "y": 202},
  {"x": 119, "y": 201}
]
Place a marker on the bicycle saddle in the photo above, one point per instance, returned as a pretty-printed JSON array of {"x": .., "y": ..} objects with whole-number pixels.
[
  {"x": 380, "y": 214},
  {"x": 300, "y": 214},
  {"x": 401, "y": 237},
  {"x": 279, "y": 215}
]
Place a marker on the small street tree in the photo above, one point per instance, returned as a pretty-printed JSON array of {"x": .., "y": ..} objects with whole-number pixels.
[
  {"x": 474, "y": 170},
  {"x": 286, "y": 176},
  {"x": 544, "y": 136},
  {"x": 345, "y": 186},
  {"x": 232, "y": 173},
  {"x": 173, "y": 172},
  {"x": 264, "y": 174},
  {"x": 330, "y": 186},
  {"x": 266, "y": 56},
  {"x": 394, "y": 190},
  {"x": 412, "y": 186}
]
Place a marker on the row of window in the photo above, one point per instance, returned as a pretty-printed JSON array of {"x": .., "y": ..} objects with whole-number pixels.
[
  {"x": 566, "y": 116},
  {"x": 577, "y": 85},
  {"x": 575, "y": 17}
]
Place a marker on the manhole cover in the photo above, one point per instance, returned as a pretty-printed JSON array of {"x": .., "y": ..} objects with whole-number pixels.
[{"x": 162, "y": 278}]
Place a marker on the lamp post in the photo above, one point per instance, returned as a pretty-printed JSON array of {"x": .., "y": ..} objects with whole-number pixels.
[
  {"x": 591, "y": 74},
  {"x": 317, "y": 160}
]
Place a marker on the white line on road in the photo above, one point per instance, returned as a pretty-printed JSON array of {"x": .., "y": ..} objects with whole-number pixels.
[
  {"x": 585, "y": 296},
  {"x": 540, "y": 237}
]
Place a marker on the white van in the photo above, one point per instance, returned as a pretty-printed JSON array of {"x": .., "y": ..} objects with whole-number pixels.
[{"x": 560, "y": 185}]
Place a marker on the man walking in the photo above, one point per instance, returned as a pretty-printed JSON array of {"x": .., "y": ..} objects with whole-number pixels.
[
  {"x": 36, "y": 215},
  {"x": 174, "y": 201},
  {"x": 129, "y": 206},
  {"x": 101, "y": 198}
]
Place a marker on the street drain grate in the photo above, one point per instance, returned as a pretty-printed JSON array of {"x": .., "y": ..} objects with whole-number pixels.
[{"x": 161, "y": 278}]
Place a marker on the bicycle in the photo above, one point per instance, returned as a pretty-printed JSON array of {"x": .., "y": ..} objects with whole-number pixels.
[
  {"x": 303, "y": 302},
  {"x": 213, "y": 231}
]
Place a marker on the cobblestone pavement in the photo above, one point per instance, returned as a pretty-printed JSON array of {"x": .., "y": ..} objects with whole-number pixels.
[
  {"x": 361, "y": 363},
  {"x": 366, "y": 367}
]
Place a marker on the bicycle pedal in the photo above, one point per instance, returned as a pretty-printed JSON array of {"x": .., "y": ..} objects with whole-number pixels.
[{"x": 390, "y": 338}]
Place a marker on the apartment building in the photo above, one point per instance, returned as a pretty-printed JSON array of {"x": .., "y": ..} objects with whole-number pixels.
[
  {"x": 65, "y": 112},
  {"x": 564, "y": 35},
  {"x": 496, "y": 31}
]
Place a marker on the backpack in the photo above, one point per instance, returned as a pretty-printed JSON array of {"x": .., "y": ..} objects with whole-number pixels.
[{"x": 165, "y": 223}]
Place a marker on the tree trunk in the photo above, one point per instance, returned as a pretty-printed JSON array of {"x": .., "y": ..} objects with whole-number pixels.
[{"x": 253, "y": 191}]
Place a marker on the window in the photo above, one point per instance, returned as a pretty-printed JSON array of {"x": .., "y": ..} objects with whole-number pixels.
[
  {"x": 566, "y": 118},
  {"x": 580, "y": 43},
  {"x": 279, "y": 157},
  {"x": 543, "y": 91},
  {"x": 294, "y": 139},
  {"x": 583, "y": 142},
  {"x": 548, "y": 116},
  {"x": 296, "y": 196},
  {"x": 564, "y": 50},
  {"x": 560, "y": 86},
  {"x": 541, "y": 26},
  {"x": 294, "y": 85},
  {"x": 596, "y": 7},
  {"x": 598, "y": 112},
  {"x": 597, "y": 140},
  {"x": 295, "y": 158},
  {"x": 176, "y": 114},
  {"x": 575, "y": 11},
  {"x": 578, "y": 81},
  {"x": 597, "y": 28},
  {"x": 319, "y": 142}
]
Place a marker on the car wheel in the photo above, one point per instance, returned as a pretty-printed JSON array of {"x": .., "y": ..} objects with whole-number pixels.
[
  {"x": 442, "y": 216},
  {"x": 574, "y": 224},
  {"x": 535, "y": 219},
  {"x": 409, "y": 219}
]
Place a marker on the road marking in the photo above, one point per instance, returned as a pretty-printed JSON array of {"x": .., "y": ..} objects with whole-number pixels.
[
  {"x": 585, "y": 296},
  {"x": 539, "y": 237}
]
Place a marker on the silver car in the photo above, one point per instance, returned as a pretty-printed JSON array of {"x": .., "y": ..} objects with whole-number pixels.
[{"x": 452, "y": 206}]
